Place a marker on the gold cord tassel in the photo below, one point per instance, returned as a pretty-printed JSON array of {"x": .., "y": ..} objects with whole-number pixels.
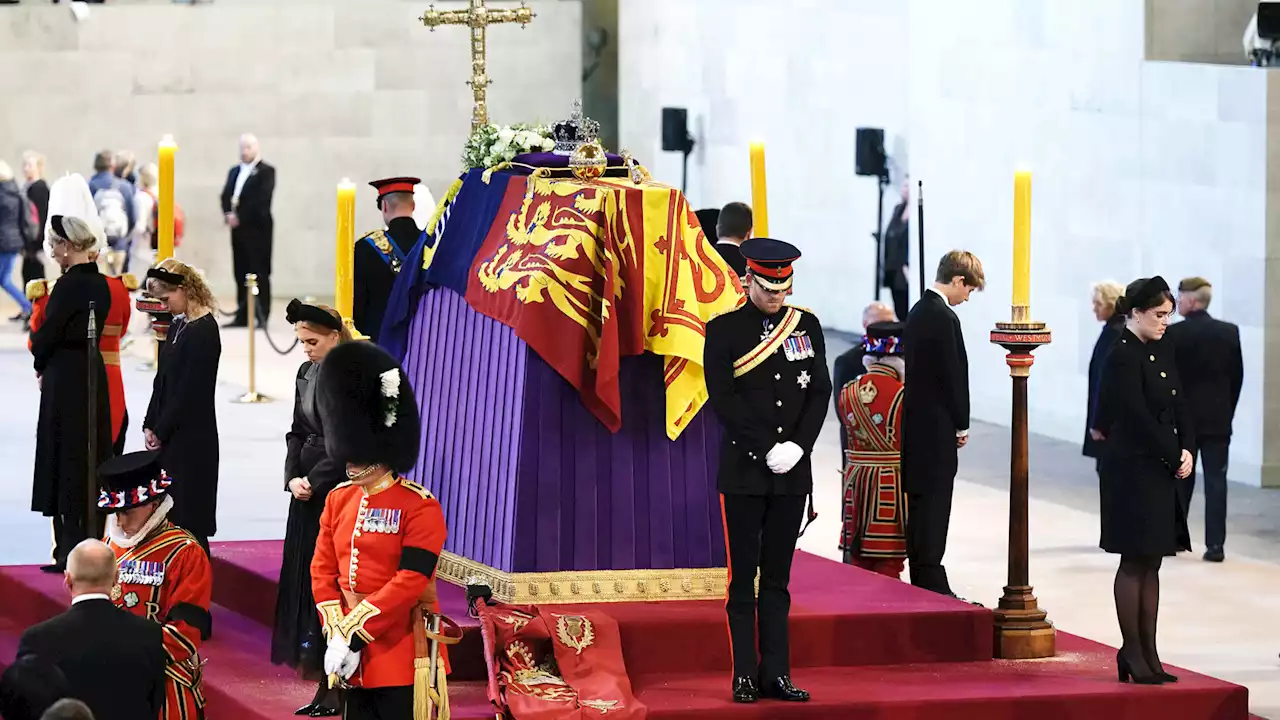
[
  {"x": 440, "y": 206},
  {"x": 422, "y": 689}
]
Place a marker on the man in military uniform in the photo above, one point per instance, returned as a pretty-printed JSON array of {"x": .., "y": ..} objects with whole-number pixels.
[
  {"x": 373, "y": 572},
  {"x": 164, "y": 573},
  {"x": 766, "y": 372},
  {"x": 380, "y": 253}
]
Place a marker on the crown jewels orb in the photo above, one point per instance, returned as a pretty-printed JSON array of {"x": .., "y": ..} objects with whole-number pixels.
[{"x": 588, "y": 161}]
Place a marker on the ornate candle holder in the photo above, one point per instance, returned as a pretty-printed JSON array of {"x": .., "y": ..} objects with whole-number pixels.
[{"x": 1021, "y": 628}]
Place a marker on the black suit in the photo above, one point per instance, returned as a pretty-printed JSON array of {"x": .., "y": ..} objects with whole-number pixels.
[
  {"x": 376, "y": 271},
  {"x": 782, "y": 399},
  {"x": 935, "y": 408},
  {"x": 1207, "y": 353},
  {"x": 847, "y": 368},
  {"x": 732, "y": 257},
  {"x": 251, "y": 240},
  {"x": 114, "y": 661},
  {"x": 895, "y": 258}
]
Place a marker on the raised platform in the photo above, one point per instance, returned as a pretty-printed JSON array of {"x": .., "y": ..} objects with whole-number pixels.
[{"x": 866, "y": 646}]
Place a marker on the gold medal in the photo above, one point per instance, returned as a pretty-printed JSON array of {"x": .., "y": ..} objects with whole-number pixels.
[{"x": 116, "y": 592}]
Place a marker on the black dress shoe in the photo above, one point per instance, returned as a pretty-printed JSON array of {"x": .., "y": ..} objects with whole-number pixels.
[
  {"x": 306, "y": 710},
  {"x": 744, "y": 690},
  {"x": 1214, "y": 554},
  {"x": 782, "y": 689},
  {"x": 324, "y": 711}
]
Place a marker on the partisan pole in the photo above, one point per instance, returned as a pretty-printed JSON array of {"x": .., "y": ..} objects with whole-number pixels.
[
  {"x": 920, "y": 232},
  {"x": 91, "y": 528}
]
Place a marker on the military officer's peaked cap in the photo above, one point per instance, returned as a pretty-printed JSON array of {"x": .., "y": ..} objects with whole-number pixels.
[
  {"x": 394, "y": 185},
  {"x": 131, "y": 480},
  {"x": 770, "y": 262}
]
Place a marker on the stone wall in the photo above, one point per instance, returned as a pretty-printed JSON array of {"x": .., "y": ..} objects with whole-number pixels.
[
  {"x": 1208, "y": 31},
  {"x": 333, "y": 89}
]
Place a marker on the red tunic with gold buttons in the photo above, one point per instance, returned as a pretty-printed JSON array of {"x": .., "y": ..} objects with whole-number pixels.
[
  {"x": 109, "y": 344},
  {"x": 373, "y": 569},
  {"x": 166, "y": 578}
]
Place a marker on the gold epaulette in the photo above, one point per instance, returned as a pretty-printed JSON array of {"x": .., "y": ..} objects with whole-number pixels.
[
  {"x": 130, "y": 281},
  {"x": 37, "y": 289},
  {"x": 376, "y": 235},
  {"x": 422, "y": 492},
  {"x": 797, "y": 307},
  {"x": 346, "y": 483}
]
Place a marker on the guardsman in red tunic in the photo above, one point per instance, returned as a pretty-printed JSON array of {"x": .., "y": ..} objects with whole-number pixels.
[
  {"x": 373, "y": 571},
  {"x": 164, "y": 573},
  {"x": 109, "y": 344},
  {"x": 873, "y": 532}
]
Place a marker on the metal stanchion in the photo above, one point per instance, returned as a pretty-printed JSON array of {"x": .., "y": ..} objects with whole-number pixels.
[{"x": 253, "y": 396}]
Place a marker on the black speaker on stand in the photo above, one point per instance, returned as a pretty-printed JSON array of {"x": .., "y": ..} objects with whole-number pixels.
[
  {"x": 676, "y": 138},
  {"x": 871, "y": 161}
]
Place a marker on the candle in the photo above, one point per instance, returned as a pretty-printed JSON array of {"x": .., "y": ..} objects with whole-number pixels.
[
  {"x": 1022, "y": 239},
  {"x": 759, "y": 193},
  {"x": 164, "y": 209},
  {"x": 346, "y": 248}
]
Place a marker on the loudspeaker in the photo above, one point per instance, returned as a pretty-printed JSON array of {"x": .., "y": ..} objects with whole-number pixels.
[
  {"x": 870, "y": 160},
  {"x": 675, "y": 130},
  {"x": 1269, "y": 20}
]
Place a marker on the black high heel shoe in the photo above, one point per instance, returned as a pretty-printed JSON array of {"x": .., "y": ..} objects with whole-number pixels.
[
  {"x": 1166, "y": 677},
  {"x": 1124, "y": 673}
]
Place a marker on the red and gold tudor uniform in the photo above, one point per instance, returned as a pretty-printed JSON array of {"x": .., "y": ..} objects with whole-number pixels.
[
  {"x": 874, "y": 523},
  {"x": 374, "y": 565},
  {"x": 164, "y": 577}
]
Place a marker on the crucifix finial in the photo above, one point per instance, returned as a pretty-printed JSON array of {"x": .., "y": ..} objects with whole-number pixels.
[{"x": 478, "y": 18}]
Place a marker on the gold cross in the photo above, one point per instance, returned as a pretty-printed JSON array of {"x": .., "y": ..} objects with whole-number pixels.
[{"x": 478, "y": 18}]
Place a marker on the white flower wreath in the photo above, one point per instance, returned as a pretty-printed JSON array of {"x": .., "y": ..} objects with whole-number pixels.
[{"x": 390, "y": 381}]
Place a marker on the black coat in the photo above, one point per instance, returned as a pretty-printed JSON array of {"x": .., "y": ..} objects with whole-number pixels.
[
  {"x": 1143, "y": 413},
  {"x": 183, "y": 416},
  {"x": 375, "y": 274},
  {"x": 254, "y": 207},
  {"x": 896, "y": 241},
  {"x": 1207, "y": 351},
  {"x": 13, "y": 207},
  {"x": 1110, "y": 331},
  {"x": 779, "y": 400},
  {"x": 113, "y": 660},
  {"x": 935, "y": 403},
  {"x": 732, "y": 256},
  {"x": 296, "y": 638},
  {"x": 61, "y": 350}
]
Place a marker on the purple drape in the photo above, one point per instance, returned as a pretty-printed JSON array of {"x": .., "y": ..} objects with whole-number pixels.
[{"x": 530, "y": 480}]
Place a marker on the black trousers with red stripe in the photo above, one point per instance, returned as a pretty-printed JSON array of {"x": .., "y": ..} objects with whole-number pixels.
[{"x": 760, "y": 532}]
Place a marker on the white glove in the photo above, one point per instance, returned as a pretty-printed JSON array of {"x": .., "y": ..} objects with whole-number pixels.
[
  {"x": 783, "y": 457},
  {"x": 349, "y": 665},
  {"x": 335, "y": 656}
]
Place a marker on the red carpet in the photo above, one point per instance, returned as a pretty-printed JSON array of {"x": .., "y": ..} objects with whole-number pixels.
[{"x": 864, "y": 645}]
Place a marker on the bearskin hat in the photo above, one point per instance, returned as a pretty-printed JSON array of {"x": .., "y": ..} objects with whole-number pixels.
[{"x": 367, "y": 408}]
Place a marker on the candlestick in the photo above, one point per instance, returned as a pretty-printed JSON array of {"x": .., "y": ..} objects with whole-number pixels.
[
  {"x": 164, "y": 209},
  {"x": 346, "y": 249},
  {"x": 759, "y": 193},
  {"x": 1022, "y": 239}
]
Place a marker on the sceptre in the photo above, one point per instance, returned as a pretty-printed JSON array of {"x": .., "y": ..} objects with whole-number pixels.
[{"x": 920, "y": 232}]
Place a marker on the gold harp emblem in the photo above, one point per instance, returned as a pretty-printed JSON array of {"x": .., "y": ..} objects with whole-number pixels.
[{"x": 575, "y": 632}]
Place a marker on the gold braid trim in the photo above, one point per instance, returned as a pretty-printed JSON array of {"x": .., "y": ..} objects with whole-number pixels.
[
  {"x": 353, "y": 624},
  {"x": 330, "y": 616},
  {"x": 440, "y": 206}
]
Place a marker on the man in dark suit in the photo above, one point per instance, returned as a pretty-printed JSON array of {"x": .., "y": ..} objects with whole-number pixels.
[
  {"x": 379, "y": 254},
  {"x": 113, "y": 661},
  {"x": 246, "y": 208},
  {"x": 1210, "y": 366},
  {"x": 848, "y": 365},
  {"x": 896, "y": 253},
  {"x": 935, "y": 414},
  {"x": 29, "y": 687},
  {"x": 766, "y": 370},
  {"x": 733, "y": 227}
]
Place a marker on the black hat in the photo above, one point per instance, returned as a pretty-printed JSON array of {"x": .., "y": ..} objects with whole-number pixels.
[
  {"x": 131, "y": 480},
  {"x": 1140, "y": 293},
  {"x": 883, "y": 339},
  {"x": 367, "y": 408},
  {"x": 394, "y": 185},
  {"x": 166, "y": 277},
  {"x": 770, "y": 262},
  {"x": 297, "y": 311}
]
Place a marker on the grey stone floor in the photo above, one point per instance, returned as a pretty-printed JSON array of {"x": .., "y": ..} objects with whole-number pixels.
[{"x": 1217, "y": 619}]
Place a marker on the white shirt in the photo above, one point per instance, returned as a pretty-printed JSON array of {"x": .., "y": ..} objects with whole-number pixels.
[
  {"x": 90, "y": 596},
  {"x": 959, "y": 433},
  {"x": 246, "y": 169}
]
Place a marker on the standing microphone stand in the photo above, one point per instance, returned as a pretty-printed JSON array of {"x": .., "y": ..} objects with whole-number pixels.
[
  {"x": 91, "y": 529},
  {"x": 920, "y": 232}
]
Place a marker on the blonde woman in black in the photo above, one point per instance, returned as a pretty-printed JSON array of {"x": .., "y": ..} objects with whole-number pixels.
[
  {"x": 181, "y": 419},
  {"x": 309, "y": 475}
]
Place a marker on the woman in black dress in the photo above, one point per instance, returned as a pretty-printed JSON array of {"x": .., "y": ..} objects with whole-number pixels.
[
  {"x": 1149, "y": 439},
  {"x": 1105, "y": 295},
  {"x": 62, "y": 357},
  {"x": 181, "y": 419},
  {"x": 309, "y": 475}
]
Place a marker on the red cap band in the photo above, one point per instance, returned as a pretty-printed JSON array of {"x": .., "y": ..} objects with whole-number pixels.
[
  {"x": 773, "y": 272},
  {"x": 398, "y": 187}
]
